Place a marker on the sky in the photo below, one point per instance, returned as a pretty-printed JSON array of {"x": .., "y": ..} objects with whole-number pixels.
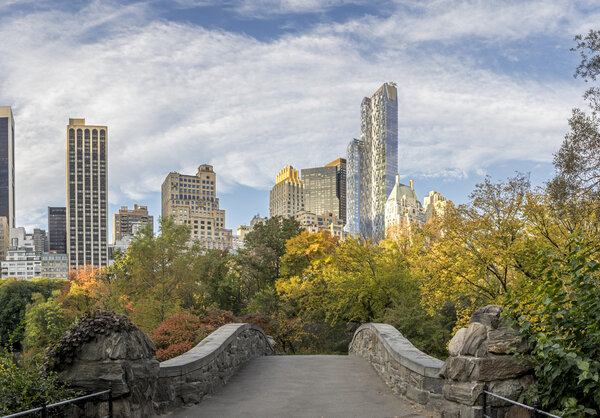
[{"x": 249, "y": 86}]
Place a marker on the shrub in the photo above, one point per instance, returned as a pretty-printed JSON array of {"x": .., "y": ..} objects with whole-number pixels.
[
  {"x": 27, "y": 385},
  {"x": 562, "y": 322}
]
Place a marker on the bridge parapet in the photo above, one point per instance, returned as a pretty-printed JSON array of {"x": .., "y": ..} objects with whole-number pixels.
[
  {"x": 186, "y": 379},
  {"x": 480, "y": 356},
  {"x": 406, "y": 370}
]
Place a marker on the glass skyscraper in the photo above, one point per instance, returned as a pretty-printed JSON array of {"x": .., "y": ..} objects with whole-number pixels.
[
  {"x": 7, "y": 165},
  {"x": 373, "y": 159}
]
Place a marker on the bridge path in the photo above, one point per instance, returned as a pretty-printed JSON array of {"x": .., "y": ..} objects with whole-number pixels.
[{"x": 304, "y": 386}]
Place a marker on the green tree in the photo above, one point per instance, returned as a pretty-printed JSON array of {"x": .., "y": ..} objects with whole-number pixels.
[
  {"x": 14, "y": 297},
  {"x": 577, "y": 161},
  {"x": 45, "y": 322},
  {"x": 260, "y": 261},
  {"x": 562, "y": 321},
  {"x": 156, "y": 274}
]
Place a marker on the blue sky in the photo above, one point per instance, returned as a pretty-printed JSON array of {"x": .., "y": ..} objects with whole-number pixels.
[{"x": 485, "y": 87}]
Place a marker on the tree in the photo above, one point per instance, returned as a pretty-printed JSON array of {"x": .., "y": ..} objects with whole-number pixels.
[
  {"x": 484, "y": 250},
  {"x": 259, "y": 262},
  {"x": 577, "y": 161},
  {"x": 45, "y": 322},
  {"x": 14, "y": 297},
  {"x": 562, "y": 321},
  {"x": 156, "y": 274}
]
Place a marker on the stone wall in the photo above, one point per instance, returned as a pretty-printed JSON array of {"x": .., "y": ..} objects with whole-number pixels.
[
  {"x": 407, "y": 371},
  {"x": 479, "y": 355},
  {"x": 186, "y": 379}
]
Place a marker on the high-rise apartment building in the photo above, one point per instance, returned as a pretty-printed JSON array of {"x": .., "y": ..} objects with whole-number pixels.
[
  {"x": 191, "y": 200},
  {"x": 353, "y": 187},
  {"x": 378, "y": 160},
  {"x": 87, "y": 181},
  {"x": 7, "y": 165},
  {"x": 57, "y": 230},
  {"x": 325, "y": 189},
  {"x": 287, "y": 196},
  {"x": 125, "y": 219}
]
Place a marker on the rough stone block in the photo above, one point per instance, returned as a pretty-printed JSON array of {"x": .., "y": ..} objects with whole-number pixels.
[
  {"x": 475, "y": 342},
  {"x": 510, "y": 389},
  {"x": 501, "y": 340},
  {"x": 433, "y": 385},
  {"x": 417, "y": 395},
  {"x": 500, "y": 368},
  {"x": 465, "y": 393},
  {"x": 488, "y": 315},
  {"x": 471, "y": 411},
  {"x": 457, "y": 342}
]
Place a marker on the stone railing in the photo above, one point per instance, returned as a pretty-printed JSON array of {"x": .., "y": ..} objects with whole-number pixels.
[
  {"x": 407, "y": 371},
  {"x": 479, "y": 354},
  {"x": 186, "y": 379}
]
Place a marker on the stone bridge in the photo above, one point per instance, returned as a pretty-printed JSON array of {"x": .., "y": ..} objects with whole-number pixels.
[{"x": 233, "y": 372}]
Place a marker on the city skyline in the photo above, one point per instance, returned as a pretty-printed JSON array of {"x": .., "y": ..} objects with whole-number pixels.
[{"x": 468, "y": 93}]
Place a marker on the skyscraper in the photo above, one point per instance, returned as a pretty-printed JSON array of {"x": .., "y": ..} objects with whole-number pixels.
[
  {"x": 378, "y": 160},
  {"x": 191, "y": 200},
  {"x": 340, "y": 166},
  {"x": 325, "y": 189},
  {"x": 57, "y": 230},
  {"x": 287, "y": 196},
  {"x": 87, "y": 180},
  {"x": 7, "y": 165}
]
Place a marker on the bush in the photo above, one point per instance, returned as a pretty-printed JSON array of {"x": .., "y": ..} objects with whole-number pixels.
[
  {"x": 28, "y": 385},
  {"x": 562, "y": 322},
  {"x": 175, "y": 336},
  {"x": 182, "y": 332}
]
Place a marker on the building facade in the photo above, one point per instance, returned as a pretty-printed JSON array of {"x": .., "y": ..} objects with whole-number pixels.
[
  {"x": 403, "y": 209},
  {"x": 125, "y": 219},
  {"x": 57, "y": 230},
  {"x": 40, "y": 241},
  {"x": 7, "y": 165},
  {"x": 434, "y": 205},
  {"x": 55, "y": 265},
  {"x": 21, "y": 263},
  {"x": 325, "y": 189},
  {"x": 326, "y": 222},
  {"x": 191, "y": 200},
  {"x": 287, "y": 196},
  {"x": 87, "y": 192},
  {"x": 379, "y": 159},
  {"x": 353, "y": 151},
  {"x": 4, "y": 237},
  {"x": 340, "y": 165}
]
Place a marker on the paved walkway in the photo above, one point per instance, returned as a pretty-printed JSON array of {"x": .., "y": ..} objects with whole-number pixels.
[{"x": 304, "y": 386}]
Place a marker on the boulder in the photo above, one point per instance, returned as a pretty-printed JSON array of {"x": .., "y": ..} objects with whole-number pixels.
[
  {"x": 106, "y": 349},
  {"x": 475, "y": 343},
  {"x": 488, "y": 315},
  {"x": 457, "y": 342}
]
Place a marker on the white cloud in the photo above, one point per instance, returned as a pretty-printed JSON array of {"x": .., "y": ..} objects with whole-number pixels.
[{"x": 177, "y": 95}]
